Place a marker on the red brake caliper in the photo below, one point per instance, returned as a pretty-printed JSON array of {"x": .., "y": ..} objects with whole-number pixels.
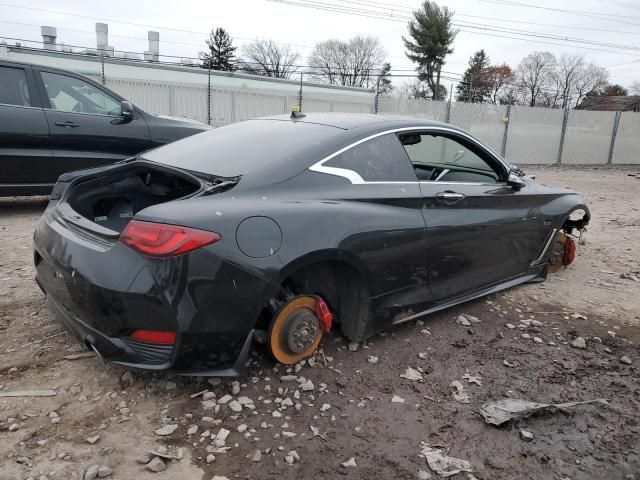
[{"x": 324, "y": 315}]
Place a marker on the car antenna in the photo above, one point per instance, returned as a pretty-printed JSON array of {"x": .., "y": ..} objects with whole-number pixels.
[{"x": 296, "y": 113}]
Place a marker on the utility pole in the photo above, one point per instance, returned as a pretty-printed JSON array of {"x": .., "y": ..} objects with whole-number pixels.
[
  {"x": 300, "y": 94},
  {"x": 437, "y": 92}
]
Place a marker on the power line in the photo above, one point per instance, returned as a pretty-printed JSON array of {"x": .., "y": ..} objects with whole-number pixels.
[
  {"x": 582, "y": 13},
  {"x": 468, "y": 27},
  {"x": 494, "y": 19}
]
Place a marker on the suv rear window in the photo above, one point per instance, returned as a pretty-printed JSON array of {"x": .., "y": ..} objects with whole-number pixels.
[{"x": 13, "y": 87}]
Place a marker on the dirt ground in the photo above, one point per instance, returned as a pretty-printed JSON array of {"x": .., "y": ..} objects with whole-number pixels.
[{"x": 350, "y": 412}]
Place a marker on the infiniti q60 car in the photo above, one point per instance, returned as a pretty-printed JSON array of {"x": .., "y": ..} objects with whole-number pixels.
[{"x": 279, "y": 229}]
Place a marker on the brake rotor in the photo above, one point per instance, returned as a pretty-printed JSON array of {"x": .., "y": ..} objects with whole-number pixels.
[
  {"x": 556, "y": 257},
  {"x": 295, "y": 332}
]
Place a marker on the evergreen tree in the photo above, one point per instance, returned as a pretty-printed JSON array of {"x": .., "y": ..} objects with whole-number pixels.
[
  {"x": 472, "y": 88},
  {"x": 220, "y": 55},
  {"x": 431, "y": 38},
  {"x": 384, "y": 80}
]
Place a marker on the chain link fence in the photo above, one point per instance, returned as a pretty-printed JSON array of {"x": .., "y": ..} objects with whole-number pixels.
[
  {"x": 530, "y": 135},
  {"x": 524, "y": 135}
]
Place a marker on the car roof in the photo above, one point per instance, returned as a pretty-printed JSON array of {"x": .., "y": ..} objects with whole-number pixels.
[{"x": 351, "y": 121}]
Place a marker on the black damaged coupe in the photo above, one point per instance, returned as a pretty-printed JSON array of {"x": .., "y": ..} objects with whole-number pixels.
[{"x": 278, "y": 229}]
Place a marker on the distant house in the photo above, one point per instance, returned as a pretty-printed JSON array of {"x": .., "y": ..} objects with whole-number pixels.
[{"x": 605, "y": 103}]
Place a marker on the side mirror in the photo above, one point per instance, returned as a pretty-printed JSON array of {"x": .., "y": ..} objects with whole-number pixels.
[
  {"x": 516, "y": 182},
  {"x": 126, "y": 109}
]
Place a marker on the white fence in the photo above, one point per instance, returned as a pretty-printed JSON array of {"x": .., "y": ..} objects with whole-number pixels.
[{"x": 523, "y": 135}]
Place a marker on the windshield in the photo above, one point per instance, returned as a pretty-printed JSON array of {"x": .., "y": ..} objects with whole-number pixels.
[{"x": 236, "y": 149}]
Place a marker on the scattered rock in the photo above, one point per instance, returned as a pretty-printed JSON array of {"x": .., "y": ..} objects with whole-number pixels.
[
  {"x": 92, "y": 440},
  {"x": 422, "y": 356},
  {"x": 307, "y": 386},
  {"x": 459, "y": 395},
  {"x": 144, "y": 458},
  {"x": 509, "y": 364},
  {"x": 526, "y": 436},
  {"x": 192, "y": 430},
  {"x": 422, "y": 475},
  {"x": 472, "y": 378},
  {"x": 462, "y": 320},
  {"x": 235, "y": 406},
  {"x": 219, "y": 477},
  {"x": 580, "y": 343},
  {"x": 225, "y": 399},
  {"x": 372, "y": 359},
  {"x": 156, "y": 465},
  {"x": 257, "y": 456},
  {"x": 397, "y": 399},
  {"x": 288, "y": 378},
  {"x": 235, "y": 387},
  {"x": 167, "y": 430},
  {"x": 626, "y": 360},
  {"x": 104, "y": 472},
  {"x": 127, "y": 378},
  {"x": 242, "y": 428},
  {"x": 14, "y": 427},
  {"x": 92, "y": 472},
  {"x": 349, "y": 463},
  {"x": 411, "y": 374},
  {"x": 325, "y": 407},
  {"x": 353, "y": 346},
  {"x": 211, "y": 458}
]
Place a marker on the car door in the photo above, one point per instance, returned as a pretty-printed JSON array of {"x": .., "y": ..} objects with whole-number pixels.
[
  {"x": 388, "y": 232},
  {"x": 85, "y": 123},
  {"x": 24, "y": 131},
  {"x": 480, "y": 231}
]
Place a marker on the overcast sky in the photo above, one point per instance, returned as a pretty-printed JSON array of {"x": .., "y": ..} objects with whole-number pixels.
[{"x": 613, "y": 22}]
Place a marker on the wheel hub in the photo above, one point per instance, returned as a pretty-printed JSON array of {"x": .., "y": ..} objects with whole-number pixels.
[{"x": 302, "y": 328}]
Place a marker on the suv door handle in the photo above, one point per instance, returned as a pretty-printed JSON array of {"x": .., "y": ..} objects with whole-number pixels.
[
  {"x": 449, "y": 197},
  {"x": 66, "y": 124}
]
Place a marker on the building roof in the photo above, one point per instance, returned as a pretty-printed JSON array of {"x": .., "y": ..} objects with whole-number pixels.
[{"x": 629, "y": 103}]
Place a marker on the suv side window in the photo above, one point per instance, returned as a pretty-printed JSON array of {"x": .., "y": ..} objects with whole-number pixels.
[
  {"x": 70, "y": 94},
  {"x": 381, "y": 159},
  {"x": 14, "y": 89},
  {"x": 438, "y": 158}
]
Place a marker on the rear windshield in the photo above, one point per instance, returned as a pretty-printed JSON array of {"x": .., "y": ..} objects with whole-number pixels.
[{"x": 236, "y": 149}]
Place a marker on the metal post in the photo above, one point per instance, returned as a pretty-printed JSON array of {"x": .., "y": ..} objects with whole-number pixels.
[
  {"x": 376, "y": 99},
  {"x": 614, "y": 134},
  {"x": 300, "y": 94},
  {"x": 209, "y": 97},
  {"x": 103, "y": 80},
  {"x": 233, "y": 107},
  {"x": 563, "y": 134},
  {"x": 505, "y": 138},
  {"x": 448, "y": 118}
]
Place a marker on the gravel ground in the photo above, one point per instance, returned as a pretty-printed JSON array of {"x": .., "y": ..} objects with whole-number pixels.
[{"x": 522, "y": 347}]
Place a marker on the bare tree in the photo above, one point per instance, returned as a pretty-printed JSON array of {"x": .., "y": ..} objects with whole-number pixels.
[
  {"x": 267, "y": 58},
  {"x": 356, "y": 62},
  {"x": 535, "y": 75},
  {"x": 592, "y": 79},
  {"x": 634, "y": 88}
]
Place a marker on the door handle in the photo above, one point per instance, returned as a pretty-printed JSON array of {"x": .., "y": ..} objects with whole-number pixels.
[
  {"x": 449, "y": 197},
  {"x": 66, "y": 124}
]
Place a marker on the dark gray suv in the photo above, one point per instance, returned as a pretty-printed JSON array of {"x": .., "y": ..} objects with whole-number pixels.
[{"x": 53, "y": 121}]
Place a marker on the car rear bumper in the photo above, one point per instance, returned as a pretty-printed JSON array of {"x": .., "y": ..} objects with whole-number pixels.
[{"x": 102, "y": 292}]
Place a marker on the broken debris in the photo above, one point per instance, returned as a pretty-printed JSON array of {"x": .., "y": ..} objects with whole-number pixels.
[
  {"x": 502, "y": 411},
  {"x": 411, "y": 374},
  {"x": 459, "y": 395},
  {"x": 29, "y": 393},
  {"x": 442, "y": 464}
]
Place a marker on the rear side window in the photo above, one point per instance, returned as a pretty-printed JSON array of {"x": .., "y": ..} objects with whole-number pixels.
[
  {"x": 13, "y": 87},
  {"x": 381, "y": 159}
]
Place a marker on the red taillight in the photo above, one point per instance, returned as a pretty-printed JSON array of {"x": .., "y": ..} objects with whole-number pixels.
[
  {"x": 160, "y": 240},
  {"x": 154, "y": 336}
]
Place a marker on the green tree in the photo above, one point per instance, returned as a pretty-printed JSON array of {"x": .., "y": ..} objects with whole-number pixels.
[
  {"x": 431, "y": 37},
  {"x": 384, "y": 80},
  {"x": 471, "y": 88},
  {"x": 221, "y": 53}
]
